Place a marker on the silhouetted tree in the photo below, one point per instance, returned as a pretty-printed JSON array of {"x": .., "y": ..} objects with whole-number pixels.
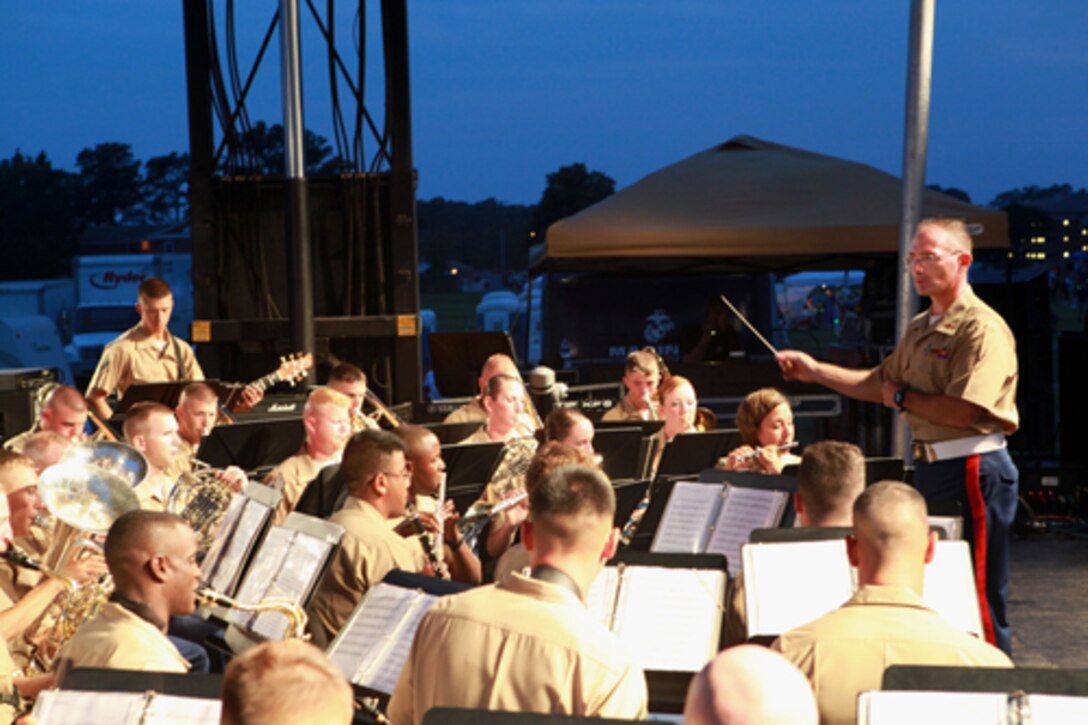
[
  {"x": 38, "y": 224},
  {"x": 1031, "y": 195},
  {"x": 166, "y": 188},
  {"x": 951, "y": 191},
  {"x": 262, "y": 151},
  {"x": 569, "y": 190},
  {"x": 110, "y": 178}
]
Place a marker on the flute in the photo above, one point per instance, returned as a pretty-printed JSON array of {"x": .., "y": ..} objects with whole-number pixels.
[{"x": 779, "y": 449}]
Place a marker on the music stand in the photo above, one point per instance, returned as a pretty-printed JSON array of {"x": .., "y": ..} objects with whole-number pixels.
[
  {"x": 99, "y": 679},
  {"x": 464, "y": 716},
  {"x": 469, "y": 463},
  {"x": 464, "y": 496},
  {"x": 458, "y": 357},
  {"x": 883, "y": 469},
  {"x": 628, "y": 494},
  {"x": 252, "y": 444},
  {"x": 648, "y": 427},
  {"x": 167, "y": 393},
  {"x": 690, "y": 453},
  {"x": 620, "y": 448},
  {"x": 451, "y": 433},
  {"x": 1038, "y": 680}
]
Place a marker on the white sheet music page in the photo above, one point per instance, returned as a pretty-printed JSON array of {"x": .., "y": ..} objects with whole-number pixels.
[
  {"x": 75, "y": 707},
  {"x": 370, "y": 629},
  {"x": 293, "y": 580},
  {"x": 222, "y": 535},
  {"x": 949, "y": 586},
  {"x": 601, "y": 597},
  {"x": 790, "y": 584},
  {"x": 684, "y": 524},
  {"x": 383, "y": 677},
  {"x": 743, "y": 509},
  {"x": 241, "y": 542},
  {"x": 1056, "y": 709},
  {"x": 932, "y": 708},
  {"x": 261, "y": 573},
  {"x": 670, "y": 619}
]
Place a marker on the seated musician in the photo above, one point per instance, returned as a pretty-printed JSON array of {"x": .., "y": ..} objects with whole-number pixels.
[
  {"x": 285, "y": 683},
  {"x": 148, "y": 353},
  {"x": 765, "y": 421},
  {"x": 376, "y": 474},
  {"x": 497, "y": 364},
  {"x": 569, "y": 426},
  {"x": 641, "y": 376},
  {"x": 528, "y": 643},
  {"x": 424, "y": 456},
  {"x": 45, "y": 448},
  {"x": 351, "y": 381},
  {"x": 830, "y": 478},
  {"x": 503, "y": 401},
  {"x": 152, "y": 558},
  {"x": 197, "y": 412},
  {"x": 327, "y": 421},
  {"x": 549, "y": 457},
  {"x": 749, "y": 684},
  {"x": 64, "y": 412},
  {"x": 845, "y": 652},
  {"x": 152, "y": 429}
]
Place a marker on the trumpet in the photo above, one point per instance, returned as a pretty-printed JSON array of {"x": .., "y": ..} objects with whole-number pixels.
[{"x": 296, "y": 615}]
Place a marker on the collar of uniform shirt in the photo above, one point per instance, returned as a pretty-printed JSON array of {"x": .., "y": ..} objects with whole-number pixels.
[
  {"x": 141, "y": 610},
  {"x": 550, "y": 574}
]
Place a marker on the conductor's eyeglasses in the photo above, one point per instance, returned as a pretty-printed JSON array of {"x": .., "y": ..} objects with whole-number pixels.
[{"x": 927, "y": 259}]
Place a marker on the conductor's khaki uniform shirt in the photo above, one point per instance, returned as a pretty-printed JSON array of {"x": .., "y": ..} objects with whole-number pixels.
[
  {"x": 368, "y": 551},
  {"x": 970, "y": 354},
  {"x": 136, "y": 357},
  {"x": 120, "y": 640},
  {"x": 521, "y": 645},
  {"x": 845, "y": 652}
]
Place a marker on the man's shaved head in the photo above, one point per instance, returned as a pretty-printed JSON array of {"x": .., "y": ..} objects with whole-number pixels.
[
  {"x": 750, "y": 684},
  {"x": 134, "y": 538},
  {"x": 890, "y": 518}
]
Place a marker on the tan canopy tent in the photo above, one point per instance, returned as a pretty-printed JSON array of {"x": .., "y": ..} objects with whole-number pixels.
[{"x": 754, "y": 198}]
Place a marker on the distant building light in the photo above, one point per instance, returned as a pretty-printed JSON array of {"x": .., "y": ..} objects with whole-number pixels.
[
  {"x": 145, "y": 245},
  {"x": 1065, "y": 239},
  {"x": 453, "y": 271},
  {"x": 1065, "y": 222},
  {"x": 1065, "y": 255}
]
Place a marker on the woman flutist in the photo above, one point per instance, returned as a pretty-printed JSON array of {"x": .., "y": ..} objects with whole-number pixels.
[{"x": 765, "y": 420}]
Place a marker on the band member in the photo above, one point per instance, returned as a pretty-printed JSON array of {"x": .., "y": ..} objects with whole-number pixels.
[
  {"x": 351, "y": 381},
  {"x": 750, "y": 684},
  {"x": 885, "y": 623},
  {"x": 424, "y": 456},
  {"x": 64, "y": 412},
  {"x": 283, "y": 683},
  {"x": 829, "y": 480},
  {"x": 503, "y": 402},
  {"x": 152, "y": 429},
  {"x": 327, "y": 420},
  {"x": 11, "y": 685},
  {"x": 45, "y": 448},
  {"x": 569, "y": 426},
  {"x": 378, "y": 482},
  {"x": 147, "y": 353},
  {"x": 953, "y": 377},
  {"x": 152, "y": 558},
  {"x": 528, "y": 643},
  {"x": 197, "y": 413},
  {"x": 641, "y": 376},
  {"x": 765, "y": 421},
  {"x": 497, "y": 364}
]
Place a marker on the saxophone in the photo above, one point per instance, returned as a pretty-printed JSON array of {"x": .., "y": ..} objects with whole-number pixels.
[{"x": 296, "y": 615}]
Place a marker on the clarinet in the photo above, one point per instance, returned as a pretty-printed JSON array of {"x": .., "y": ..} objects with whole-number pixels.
[{"x": 432, "y": 542}]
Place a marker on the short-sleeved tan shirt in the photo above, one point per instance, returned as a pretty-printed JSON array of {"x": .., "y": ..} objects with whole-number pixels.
[
  {"x": 118, "y": 639},
  {"x": 623, "y": 411},
  {"x": 296, "y": 472},
  {"x": 467, "y": 413},
  {"x": 136, "y": 357},
  {"x": 970, "y": 354},
  {"x": 368, "y": 551},
  {"x": 522, "y": 645}
]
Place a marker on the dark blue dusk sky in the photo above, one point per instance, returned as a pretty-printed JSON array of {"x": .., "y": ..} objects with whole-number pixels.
[{"x": 505, "y": 92}]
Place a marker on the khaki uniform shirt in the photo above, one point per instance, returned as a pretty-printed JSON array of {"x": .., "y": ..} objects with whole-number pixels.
[
  {"x": 7, "y": 684},
  {"x": 154, "y": 491},
  {"x": 136, "y": 357},
  {"x": 845, "y": 651},
  {"x": 368, "y": 551},
  {"x": 624, "y": 410},
  {"x": 296, "y": 472},
  {"x": 970, "y": 354},
  {"x": 118, "y": 639},
  {"x": 471, "y": 411},
  {"x": 522, "y": 645},
  {"x": 184, "y": 461}
]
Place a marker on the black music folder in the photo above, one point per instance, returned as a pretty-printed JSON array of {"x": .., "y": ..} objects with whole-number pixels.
[
  {"x": 622, "y": 451},
  {"x": 251, "y": 445},
  {"x": 628, "y": 494},
  {"x": 884, "y": 707},
  {"x": 324, "y": 495},
  {"x": 648, "y": 427},
  {"x": 452, "y": 433},
  {"x": 883, "y": 469},
  {"x": 167, "y": 393},
  {"x": 471, "y": 463},
  {"x": 690, "y": 453}
]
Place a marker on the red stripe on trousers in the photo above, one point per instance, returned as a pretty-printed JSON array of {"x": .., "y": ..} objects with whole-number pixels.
[{"x": 978, "y": 546}]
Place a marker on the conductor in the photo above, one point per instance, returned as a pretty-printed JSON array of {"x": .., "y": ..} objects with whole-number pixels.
[{"x": 953, "y": 377}]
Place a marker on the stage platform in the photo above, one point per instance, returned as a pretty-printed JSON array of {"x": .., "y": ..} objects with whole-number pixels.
[{"x": 1048, "y": 600}]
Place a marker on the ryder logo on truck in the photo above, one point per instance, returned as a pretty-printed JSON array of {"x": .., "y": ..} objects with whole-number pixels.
[{"x": 113, "y": 280}]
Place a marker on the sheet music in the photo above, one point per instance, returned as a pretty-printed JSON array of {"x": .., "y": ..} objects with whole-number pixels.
[
  {"x": 949, "y": 586},
  {"x": 1057, "y": 709},
  {"x": 369, "y": 629},
  {"x": 688, "y": 513},
  {"x": 932, "y": 708},
  {"x": 262, "y": 572},
  {"x": 223, "y": 534},
  {"x": 790, "y": 584},
  {"x": 253, "y": 516},
  {"x": 383, "y": 678},
  {"x": 601, "y": 597},
  {"x": 75, "y": 707},
  {"x": 743, "y": 510},
  {"x": 670, "y": 619},
  {"x": 293, "y": 581}
]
